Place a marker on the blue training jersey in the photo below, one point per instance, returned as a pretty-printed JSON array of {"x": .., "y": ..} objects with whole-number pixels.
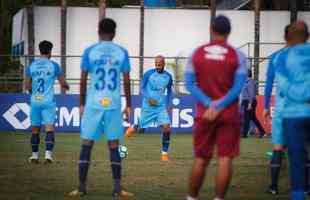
[
  {"x": 43, "y": 73},
  {"x": 295, "y": 84},
  {"x": 157, "y": 86},
  {"x": 273, "y": 76},
  {"x": 105, "y": 61}
]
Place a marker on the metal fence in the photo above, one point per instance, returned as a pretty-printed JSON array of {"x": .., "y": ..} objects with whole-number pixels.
[{"x": 13, "y": 80}]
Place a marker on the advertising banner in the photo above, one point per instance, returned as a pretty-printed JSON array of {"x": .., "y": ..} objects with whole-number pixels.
[{"x": 15, "y": 109}]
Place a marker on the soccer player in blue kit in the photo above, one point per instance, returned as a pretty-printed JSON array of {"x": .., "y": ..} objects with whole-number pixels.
[
  {"x": 294, "y": 85},
  {"x": 104, "y": 61},
  {"x": 156, "y": 89},
  {"x": 277, "y": 136},
  {"x": 39, "y": 81}
]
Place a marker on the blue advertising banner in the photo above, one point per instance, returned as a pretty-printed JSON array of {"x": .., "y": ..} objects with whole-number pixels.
[{"x": 15, "y": 109}]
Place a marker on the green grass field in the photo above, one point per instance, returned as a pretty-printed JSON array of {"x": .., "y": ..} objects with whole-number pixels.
[{"x": 144, "y": 174}]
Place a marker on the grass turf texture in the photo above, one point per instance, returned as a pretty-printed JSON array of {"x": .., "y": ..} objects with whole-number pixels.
[{"x": 143, "y": 172}]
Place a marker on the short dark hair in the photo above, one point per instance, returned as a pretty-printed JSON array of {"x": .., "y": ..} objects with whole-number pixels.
[
  {"x": 221, "y": 24},
  {"x": 45, "y": 47},
  {"x": 286, "y": 32},
  {"x": 107, "y": 26}
]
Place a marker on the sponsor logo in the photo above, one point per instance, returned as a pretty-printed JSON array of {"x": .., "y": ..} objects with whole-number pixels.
[{"x": 13, "y": 118}]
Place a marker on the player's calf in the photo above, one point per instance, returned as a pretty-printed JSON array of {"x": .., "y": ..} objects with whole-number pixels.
[
  {"x": 275, "y": 167},
  {"x": 165, "y": 142},
  {"x": 35, "y": 142},
  {"x": 49, "y": 146}
]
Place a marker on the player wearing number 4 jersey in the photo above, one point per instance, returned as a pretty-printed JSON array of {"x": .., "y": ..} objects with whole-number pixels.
[
  {"x": 104, "y": 61},
  {"x": 40, "y": 78}
]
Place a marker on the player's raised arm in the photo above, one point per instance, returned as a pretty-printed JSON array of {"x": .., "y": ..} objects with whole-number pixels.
[
  {"x": 191, "y": 86},
  {"x": 239, "y": 80}
]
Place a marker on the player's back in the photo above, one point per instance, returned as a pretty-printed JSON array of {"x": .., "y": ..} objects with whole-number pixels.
[
  {"x": 215, "y": 66},
  {"x": 297, "y": 62},
  {"x": 279, "y": 98},
  {"x": 43, "y": 73},
  {"x": 105, "y": 61}
]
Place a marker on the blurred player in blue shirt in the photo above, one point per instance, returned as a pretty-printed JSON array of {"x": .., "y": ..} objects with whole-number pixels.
[
  {"x": 156, "y": 88},
  {"x": 294, "y": 85},
  {"x": 105, "y": 62},
  {"x": 40, "y": 78}
]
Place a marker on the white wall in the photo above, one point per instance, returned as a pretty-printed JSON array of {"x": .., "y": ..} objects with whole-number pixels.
[{"x": 171, "y": 32}]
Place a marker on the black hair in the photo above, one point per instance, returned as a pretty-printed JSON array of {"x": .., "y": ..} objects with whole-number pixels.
[
  {"x": 107, "y": 26},
  {"x": 221, "y": 24},
  {"x": 45, "y": 47},
  {"x": 286, "y": 32}
]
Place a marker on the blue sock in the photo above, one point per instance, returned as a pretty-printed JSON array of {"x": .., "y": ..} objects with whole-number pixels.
[
  {"x": 165, "y": 141},
  {"x": 84, "y": 165},
  {"x": 35, "y": 141},
  {"x": 298, "y": 195},
  {"x": 116, "y": 168},
  {"x": 49, "y": 141},
  {"x": 275, "y": 166}
]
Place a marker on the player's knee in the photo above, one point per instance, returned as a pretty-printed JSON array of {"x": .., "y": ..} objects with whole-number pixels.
[
  {"x": 35, "y": 130},
  {"x": 113, "y": 144},
  {"x": 278, "y": 147},
  {"x": 87, "y": 142},
  {"x": 49, "y": 128},
  {"x": 202, "y": 162},
  {"x": 166, "y": 128}
]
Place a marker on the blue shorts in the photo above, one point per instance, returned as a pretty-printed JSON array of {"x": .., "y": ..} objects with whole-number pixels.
[
  {"x": 43, "y": 114},
  {"x": 151, "y": 116},
  {"x": 277, "y": 134},
  {"x": 96, "y": 122}
]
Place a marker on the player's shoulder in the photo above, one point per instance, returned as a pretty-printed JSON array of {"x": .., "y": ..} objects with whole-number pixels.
[
  {"x": 149, "y": 72},
  {"x": 91, "y": 47},
  {"x": 120, "y": 47},
  {"x": 54, "y": 63},
  {"x": 168, "y": 74},
  {"x": 301, "y": 49},
  {"x": 280, "y": 55}
]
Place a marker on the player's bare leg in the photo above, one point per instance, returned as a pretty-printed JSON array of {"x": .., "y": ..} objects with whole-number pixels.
[
  {"x": 223, "y": 176},
  {"x": 49, "y": 143},
  {"x": 84, "y": 163},
  {"x": 35, "y": 142},
  {"x": 197, "y": 177},
  {"x": 165, "y": 142},
  {"x": 117, "y": 170}
]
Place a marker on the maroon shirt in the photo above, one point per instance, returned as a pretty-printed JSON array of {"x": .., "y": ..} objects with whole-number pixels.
[{"x": 215, "y": 65}]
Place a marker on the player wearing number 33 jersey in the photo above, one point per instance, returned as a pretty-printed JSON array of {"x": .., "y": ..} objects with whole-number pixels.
[{"x": 104, "y": 61}]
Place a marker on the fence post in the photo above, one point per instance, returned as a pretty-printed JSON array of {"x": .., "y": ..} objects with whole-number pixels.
[{"x": 176, "y": 87}]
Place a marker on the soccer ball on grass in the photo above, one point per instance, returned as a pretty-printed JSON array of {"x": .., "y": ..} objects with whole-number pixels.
[{"x": 123, "y": 151}]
